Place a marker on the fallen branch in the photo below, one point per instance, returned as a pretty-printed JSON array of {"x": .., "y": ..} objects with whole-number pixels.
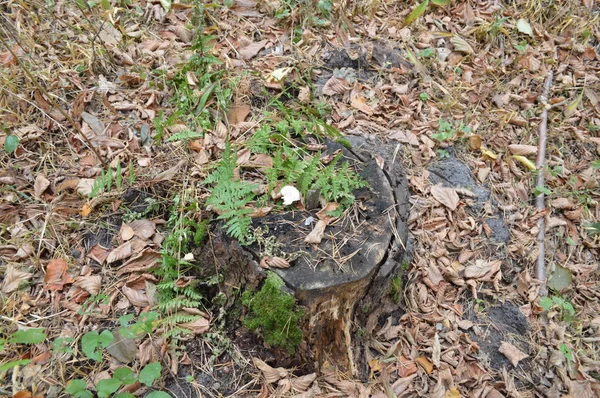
[{"x": 540, "y": 269}]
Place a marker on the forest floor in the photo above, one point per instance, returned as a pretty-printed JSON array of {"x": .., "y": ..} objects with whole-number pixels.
[{"x": 116, "y": 114}]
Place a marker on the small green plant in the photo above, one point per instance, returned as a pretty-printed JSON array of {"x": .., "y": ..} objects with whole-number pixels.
[
  {"x": 26, "y": 337},
  {"x": 564, "y": 307},
  {"x": 121, "y": 377},
  {"x": 105, "y": 182},
  {"x": 426, "y": 53},
  {"x": 445, "y": 132},
  {"x": 568, "y": 353},
  {"x": 421, "y": 8},
  {"x": 273, "y": 314},
  {"x": 92, "y": 341},
  {"x": 11, "y": 143},
  {"x": 396, "y": 289},
  {"x": 424, "y": 96}
]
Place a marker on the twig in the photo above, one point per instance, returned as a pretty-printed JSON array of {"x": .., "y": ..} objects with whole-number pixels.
[
  {"x": 52, "y": 102},
  {"x": 540, "y": 269}
]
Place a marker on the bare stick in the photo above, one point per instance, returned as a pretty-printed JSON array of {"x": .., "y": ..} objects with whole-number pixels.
[
  {"x": 540, "y": 269},
  {"x": 53, "y": 103}
]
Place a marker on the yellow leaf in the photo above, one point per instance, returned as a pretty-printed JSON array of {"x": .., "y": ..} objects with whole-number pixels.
[
  {"x": 86, "y": 210},
  {"x": 452, "y": 393},
  {"x": 525, "y": 162},
  {"x": 425, "y": 364},
  {"x": 489, "y": 154},
  {"x": 572, "y": 107}
]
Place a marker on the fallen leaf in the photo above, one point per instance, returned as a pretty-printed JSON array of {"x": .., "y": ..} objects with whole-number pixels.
[
  {"x": 523, "y": 150},
  {"x": 270, "y": 374},
  {"x": 511, "y": 352},
  {"x": 199, "y": 326},
  {"x": 238, "y": 113},
  {"x": 524, "y": 27},
  {"x": 84, "y": 186},
  {"x": 119, "y": 253},
  {"x": 136, "y": 297},
  {"x": 474, "y": 142},
  {"x": 461, "y": 45},
  {"x": 359, "y": 102},
  {"x": 123, "y": 349},
  {"x": 277, "y": 262},
  {"x": 446, "y": 196},
  {"x": 302, "y": 383},
  {"x": 13, "y": 279},
  {"x": 56, "y": 275},
  {"x": 316, "y": 235},
  {"x": 251, "y": 50},
  {"x": 335, "y": 86},
  {"x": 126, "y": 232},
  {"x": 98, "y": 253},
  {"x": 89, "y": 283},
  {"x": 525, "y": 162},
  {"x": 452, "y": 392},
  {"x": 143, "y": 229},
  {"x": 482, "y": 268},
  {"x": 406, "y": 367},
  {"x": 40, "y": 185},
  {"x": 425, "y": 363}
]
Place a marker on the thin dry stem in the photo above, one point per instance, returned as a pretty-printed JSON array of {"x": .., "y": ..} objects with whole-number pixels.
[{"x": 540, "y": 269}]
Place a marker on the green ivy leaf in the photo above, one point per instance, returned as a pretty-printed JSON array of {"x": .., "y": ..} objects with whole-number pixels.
[
  {"x": 158, "y": 394},
  {"x": 546, "y": 303},
  {"x": 92, "y": 340},
  {"x": 12, "y": 364},
  {"x": 11, "y": 143},
  {"x": 75, "y": 386},
  {"x": 106, "y": 387},
  {"x": 29, "y": 336},
  {"x": 150, "y": 373},
  {"x": 125, "y": 375},
  {"x": 416, "y": 13}
]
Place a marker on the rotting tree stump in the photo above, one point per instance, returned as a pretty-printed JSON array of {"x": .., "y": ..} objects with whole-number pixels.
[{"x": 351, "y": 268}]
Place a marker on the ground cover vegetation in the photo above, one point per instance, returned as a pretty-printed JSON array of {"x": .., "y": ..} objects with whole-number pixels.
[{"x": 131, "y": 129}]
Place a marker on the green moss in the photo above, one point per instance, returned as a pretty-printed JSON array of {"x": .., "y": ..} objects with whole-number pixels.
[
  {"x": 273, "y": 314},
  {"x": 344, "y": 142}
]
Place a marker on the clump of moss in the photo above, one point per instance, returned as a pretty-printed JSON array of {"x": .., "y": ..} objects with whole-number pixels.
[{"x": 273, "y": 314}]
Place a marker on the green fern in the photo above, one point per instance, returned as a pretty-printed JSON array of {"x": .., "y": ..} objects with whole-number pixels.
[
  {"x": 337, "y": 183},
  {"x": 230, "y": 196}
]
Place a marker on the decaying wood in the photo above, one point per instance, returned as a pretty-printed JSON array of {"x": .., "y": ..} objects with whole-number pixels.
[{"x": 540, "y": 270}]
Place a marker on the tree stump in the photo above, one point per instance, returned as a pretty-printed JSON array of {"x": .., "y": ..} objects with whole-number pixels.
[{"x": 353, "y": 265}]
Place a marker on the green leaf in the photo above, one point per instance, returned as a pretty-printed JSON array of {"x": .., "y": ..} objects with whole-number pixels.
[
  {"x": 541, "y": 190},
  {"x": 425, "y": 53},
  {"x": 12, "y": 364},
  {"x": 29, "y": 336},
  {"x": 92, "y": 340},
  {"x": 524, "y": 27},
  {"x": 416, "y": 13},
  {"x": 546, "y": 303},
  {"x": 596, "y": 164},
  {"x": 106, "y": 387},
  {"x": 568, "y": 307},
  {"x": 125, "y": 395},
  {"x": 11, "y": 143},
  {"x": 158, "y": 394},
  {"x": 572, "y": 107},
  {"x": 150, "y": 373},
  {"x": 166, "y": 5},
  {"x": 75, "y": 386},
  {"x": 440, "y": 3},
  {"x": 125, "y": 375}
]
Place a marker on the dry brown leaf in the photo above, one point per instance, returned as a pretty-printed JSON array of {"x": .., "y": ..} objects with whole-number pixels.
[
  {"x": 56, "y": 274},
  {"x": 143, "y": 229},
  {"x": 316, "y": 235},
  {"x": 335, "y": 85},
  {"x": 302, "y": 383},
  {"x": 562, "y": 203},
  {"x": 475, "y": 142},
  {"x": 126, "y": 232},
  {"x": 40, "y": 185},
  {"x": 199, "y": 326},
  {"x": 13, "y": 279},
  {"x": 98, "y": 253},
  {"x": 123, "y": 349},
  {"x": 277, "y": 262},
  {"x": 523, "y": 150},
  {"x": 89, "y": 283},
  {"x": 446, "y": 196},
  {"x": 270, "y": 374},
  {"x": 511, "y": 352},
  {"x": 402, "y": 384},
  {"x": 251, "y": 50},
  {"x": 482, "y": 268},
  {"x": 119, "y": 253},
  {"x": 84, "y": 186},
  {"x": 170, "y": 173},
  {"x": 238, "y": 113},
  {"x": 359, "y": 102},
  {"x": 136, "y": 297}
]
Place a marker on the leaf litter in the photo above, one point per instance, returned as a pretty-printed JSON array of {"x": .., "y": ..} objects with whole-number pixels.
[{"x": 481, "y": 64}]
